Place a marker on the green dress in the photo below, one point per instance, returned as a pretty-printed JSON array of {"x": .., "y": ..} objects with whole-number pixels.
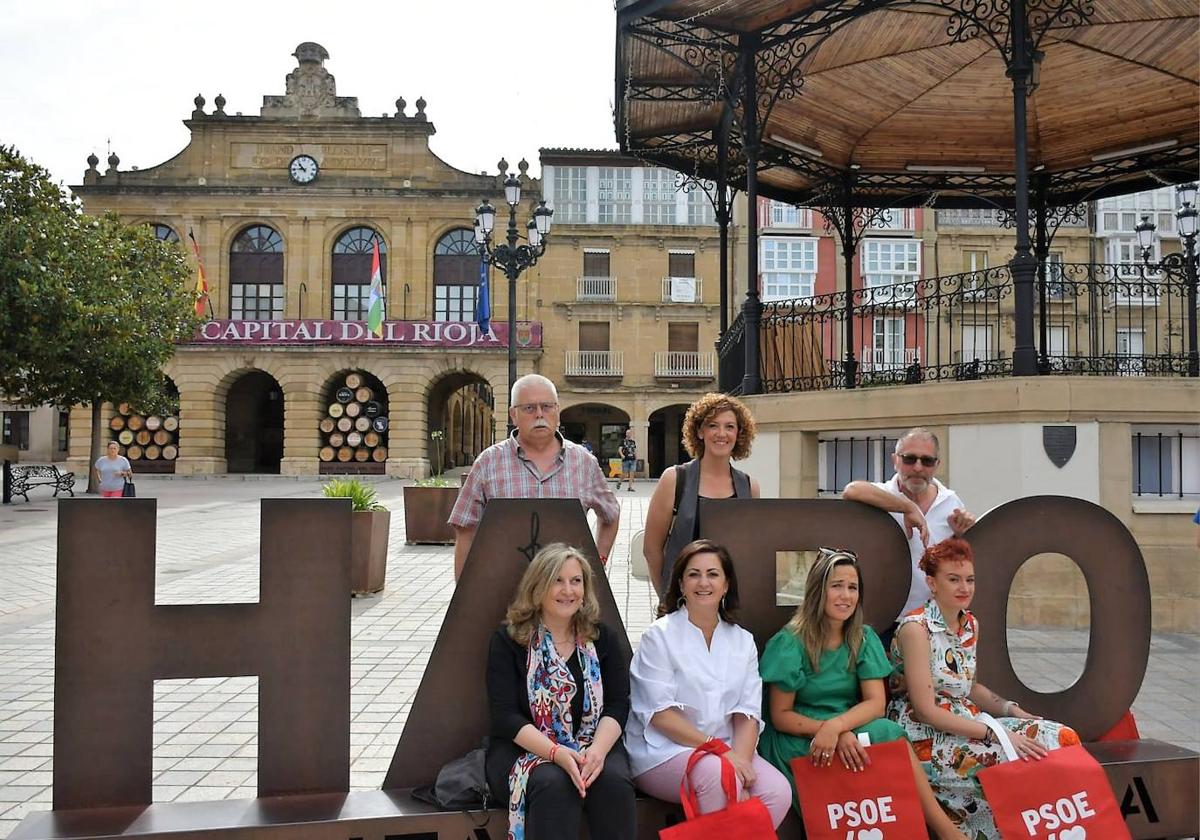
[{"x": 821, "y": 695}]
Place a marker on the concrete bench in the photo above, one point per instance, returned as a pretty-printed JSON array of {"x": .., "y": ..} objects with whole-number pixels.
[{"x": 27, "y": 476}]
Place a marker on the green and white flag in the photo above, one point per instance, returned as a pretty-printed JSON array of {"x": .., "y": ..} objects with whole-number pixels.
[{"x": 375, "y": 305}]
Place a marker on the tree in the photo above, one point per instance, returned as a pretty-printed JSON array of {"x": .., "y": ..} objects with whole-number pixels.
[{"x": 90, "y": 308}]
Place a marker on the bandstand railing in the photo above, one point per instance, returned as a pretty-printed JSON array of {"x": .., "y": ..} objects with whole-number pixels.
[{"x": 1090, "y": 319}]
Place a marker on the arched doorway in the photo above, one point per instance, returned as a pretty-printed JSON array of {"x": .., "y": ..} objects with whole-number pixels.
[
  {"x": 451, "y": 399},
  {"x": 664, "y": 440},
  {"x": 603, "y": 425},
  {"x": 254, "y": 424},
  {"x": 354, "y": 424}
]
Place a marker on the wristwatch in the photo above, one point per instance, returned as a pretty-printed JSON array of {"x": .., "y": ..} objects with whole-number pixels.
[{"x": 989, "y": 737}]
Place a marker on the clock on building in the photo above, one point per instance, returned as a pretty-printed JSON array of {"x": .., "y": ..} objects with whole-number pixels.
[{"x": 303, "y": 169}]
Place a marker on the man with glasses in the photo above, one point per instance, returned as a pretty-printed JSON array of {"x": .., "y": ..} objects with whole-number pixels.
[
  {"x": 534, "y": 462},
  {"x": 926, "y": 509}
]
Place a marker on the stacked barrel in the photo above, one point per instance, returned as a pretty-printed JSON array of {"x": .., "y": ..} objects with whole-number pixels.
[
  {"x": 145, "y": 437},
  {"x": 354, "y": 428}
]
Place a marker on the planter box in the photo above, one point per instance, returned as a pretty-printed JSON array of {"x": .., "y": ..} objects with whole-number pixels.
[
  {"x": 426, "y": 510},
  {"x": 368, "y": 550}
]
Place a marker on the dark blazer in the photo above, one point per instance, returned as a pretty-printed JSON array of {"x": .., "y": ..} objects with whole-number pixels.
[{"x": 508, "y": 696}]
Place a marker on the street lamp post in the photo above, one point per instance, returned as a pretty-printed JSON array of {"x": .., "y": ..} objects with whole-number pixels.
[
  {"x": 510, "y": 256},
  {"x": 1185, "y": 261}
]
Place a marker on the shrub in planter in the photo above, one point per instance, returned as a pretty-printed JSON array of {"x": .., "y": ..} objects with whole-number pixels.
[{"x": 368, "y": 533}]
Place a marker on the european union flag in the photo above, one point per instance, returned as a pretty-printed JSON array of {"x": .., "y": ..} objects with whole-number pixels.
[{"x": 483, "y": 308}]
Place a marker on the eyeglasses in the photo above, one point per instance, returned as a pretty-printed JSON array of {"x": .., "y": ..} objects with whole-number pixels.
[
  {"x": 926, "y": 460},
  {"x": 533, "y": 408},
  {"x": 823, "y": 552}
]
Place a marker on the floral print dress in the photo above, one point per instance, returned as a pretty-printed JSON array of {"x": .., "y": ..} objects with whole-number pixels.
[{"x": 952, "y": 761}]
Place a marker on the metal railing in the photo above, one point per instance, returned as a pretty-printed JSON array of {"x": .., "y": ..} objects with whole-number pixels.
[
  {"x": 595, "y": 363},
  {"x": 1097, "y": 319},
  {"x": 595, "y": 288},
  {"x": 682, "y": 290},
  {"x": 731, "y": 356},
  {"x": 1166, "y": 465},
  {"x": 684, "y": 365}
]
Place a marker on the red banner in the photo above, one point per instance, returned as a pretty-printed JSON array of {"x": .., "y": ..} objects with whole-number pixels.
[{"x": 395, "y": 333}]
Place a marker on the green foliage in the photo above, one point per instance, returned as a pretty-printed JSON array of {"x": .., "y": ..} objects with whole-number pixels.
[
  {"x": 433, "y": 481},
  {"x": 439, "y": 441},
  {"x": 361, "y": 496}
]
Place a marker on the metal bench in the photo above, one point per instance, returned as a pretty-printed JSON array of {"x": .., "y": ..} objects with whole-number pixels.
[{"x": 27, "y": 476}]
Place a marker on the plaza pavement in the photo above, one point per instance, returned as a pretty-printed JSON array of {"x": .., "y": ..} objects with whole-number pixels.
[{"x": 205, "y": 738}]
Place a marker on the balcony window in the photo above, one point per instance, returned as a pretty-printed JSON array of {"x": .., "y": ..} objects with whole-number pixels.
[
  {"x": 788, "y": 267},
  {"x": 891, "y": 269},
  {"x": 570, "y": 195},
  {"x": 597, "y": 282},
  {"x": 658, "y": 196},
  {"x": 616, "y": 195}
]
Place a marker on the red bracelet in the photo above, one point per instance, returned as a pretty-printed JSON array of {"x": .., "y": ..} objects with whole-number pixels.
[
  {"x": 553, "y": 750},
  {"x": 603, "y": 559}
]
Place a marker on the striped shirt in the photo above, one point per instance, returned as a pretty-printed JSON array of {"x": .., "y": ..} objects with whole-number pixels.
[{"x": 502, "y": 471}]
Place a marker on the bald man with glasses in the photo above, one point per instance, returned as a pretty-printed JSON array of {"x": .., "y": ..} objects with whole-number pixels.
[
  {"x": 927, "y": 510},
  {"x": 534, "y": 462}
]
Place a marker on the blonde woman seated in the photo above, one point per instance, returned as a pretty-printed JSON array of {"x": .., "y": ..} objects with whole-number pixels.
[
  {"x": 558, "y": 685},
  {"x": 938, "y": 702},
  {"x": 694, "y": 678},
  {"x": 825, "y": 670}
]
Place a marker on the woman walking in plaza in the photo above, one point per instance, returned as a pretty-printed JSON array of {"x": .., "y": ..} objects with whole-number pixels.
[
  {"x": 717, "y": 430},
  {"x": 938, "y": 702},
  {"x": 826, "y": 670},
  {"x": 695, "y": 679},
  {"x": 558, "y": 685},
  {"x": 112, "y": 471}
]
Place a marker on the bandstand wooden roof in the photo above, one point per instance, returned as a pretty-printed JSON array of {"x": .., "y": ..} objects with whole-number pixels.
[{"x": 910, "y": 101}]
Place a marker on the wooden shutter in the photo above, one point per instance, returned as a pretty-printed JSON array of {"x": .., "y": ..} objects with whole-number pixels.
[
  {"x": 683, "y": 338},
  {"x": 595, "y": 265},
  {"x": 681, "y": 265},
  {"x": 593, "y": 335}
]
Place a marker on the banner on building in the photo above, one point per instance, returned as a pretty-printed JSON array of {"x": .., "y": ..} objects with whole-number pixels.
[{"x": 467, "y": 334}]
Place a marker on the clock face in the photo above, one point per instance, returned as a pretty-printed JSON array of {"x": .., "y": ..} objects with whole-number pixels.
[{"x": 303, "y": 169}]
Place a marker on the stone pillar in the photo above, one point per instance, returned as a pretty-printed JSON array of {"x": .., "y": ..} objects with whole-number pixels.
[
  {"x": 201, "y": 428},
  {"x": 302, "y": 411}
]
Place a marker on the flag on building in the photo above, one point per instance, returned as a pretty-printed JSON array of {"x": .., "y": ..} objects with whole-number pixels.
[
  {"x": 375, "y": 305},
  {"x": 483, "y": 307},
  {"x": 201, "y": 282}
]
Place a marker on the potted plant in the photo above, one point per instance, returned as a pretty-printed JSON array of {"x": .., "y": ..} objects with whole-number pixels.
[
  {"x": 427, "y": 504},
  {"x": 368, "y": 533}
]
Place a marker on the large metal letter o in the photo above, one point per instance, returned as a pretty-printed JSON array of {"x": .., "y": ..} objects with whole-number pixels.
[{"x": 1118, "y": 594}]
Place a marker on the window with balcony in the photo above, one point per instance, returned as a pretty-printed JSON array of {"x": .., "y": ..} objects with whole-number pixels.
[
  {"x": 658, "y": 196},
  {"x": 593, "y": 358},
  {"x": 788, "y": 268},
  {"x": 683, "y": 357},
  {"x": 784, "y": 215},
  {"x": 680, "y": 285},
  {"x": 570, "y": 195},
  {"x": 887, "y": 350},
  {"x": 976, "y": 343},
  {"x": 596, "y": 282},
  {"x": 890, "y": 269},
  {"x": 615, "y": 195}
]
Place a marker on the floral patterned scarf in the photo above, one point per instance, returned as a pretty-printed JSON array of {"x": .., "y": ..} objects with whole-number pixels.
[{"x": 551, "y": 689}]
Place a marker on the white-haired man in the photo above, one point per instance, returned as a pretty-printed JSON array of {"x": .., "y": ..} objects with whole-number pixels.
[
  {"x": 926, "y": 509},
  {"x": 534, "y": 462}
]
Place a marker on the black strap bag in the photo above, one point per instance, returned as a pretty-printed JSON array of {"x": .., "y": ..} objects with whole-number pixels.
[
  {"x": 461, "y": 784},
  {"x": 129, "y": 491}
]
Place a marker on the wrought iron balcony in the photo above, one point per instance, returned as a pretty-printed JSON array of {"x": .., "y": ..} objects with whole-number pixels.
[
  {"x": 599, "y": 363},
  {"x": 674, "y": 364},
  {"x": 595, "y": 288},
  {"x": 682, "y": 290}
]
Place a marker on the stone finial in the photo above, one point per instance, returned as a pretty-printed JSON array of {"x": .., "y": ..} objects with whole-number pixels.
[
  {"x": 400, "y": 106},
  {"x": 523, "y": 167},
  {"x": 113, "y": 163},
  {"x": 220, "y": 103},
  {"x": 92, "y": 160},
  {"x": 420, "y": 115},
  {"x": 502, "y": 166},
  {"x": 199, "y": 102}
]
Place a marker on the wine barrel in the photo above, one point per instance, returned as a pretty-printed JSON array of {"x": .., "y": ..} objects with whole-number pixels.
[
  {"x": 354, "y": 380},
  {"x": 327, "y": 425},
  {"x": 345, "y": 453},
  {"x": 170, "y": 452},
  {"x": 336, "y": 409},
  {"x": 345, "y": 424},
  {"x": 117, "y": 423},
  {"x": 152, "y": 452},
  {"x": 364, "y": 394},
  {"x": 362, "y": 424},
  {"x": 344, "y": 395},
  {"x": 134, "y": 453},
  {"x": 379, "y": 454},
  {"x": 372, "y": 409},
  {"x": 154, "y": 422},
  {"x": 143, "y": 437},
  {"x": 337, "y": 439},
  {"x": 162, "y": 438},
  {"x": 380, "y": 424},
  {"x": 354, "y": 439},
  {"x": 326, "y": 453},
  {"x": 124, "y": 408},
  {"x": 362, "y": 454},
  {"x": 371, "y": 439},
  {"x": 353, "y": 409},
  {"x": 135, "y": 422},
  {"x": 171, "y": 423},
  {"x": 125, "y": 437}
]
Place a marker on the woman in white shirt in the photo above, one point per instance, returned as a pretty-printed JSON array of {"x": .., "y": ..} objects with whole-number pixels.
[{"x": 693, "y": 679}]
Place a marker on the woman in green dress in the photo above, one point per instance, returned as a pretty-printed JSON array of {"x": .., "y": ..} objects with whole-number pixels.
[{"x": 826, "y": 670}]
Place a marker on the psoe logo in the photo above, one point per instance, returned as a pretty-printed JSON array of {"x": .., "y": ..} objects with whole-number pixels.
[
  {"x": 1059, "y": 818},
  {"x": 865, "y": 812}
]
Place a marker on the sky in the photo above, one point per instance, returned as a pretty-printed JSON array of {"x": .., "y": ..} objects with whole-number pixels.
[{"x": 501, "y": 78}]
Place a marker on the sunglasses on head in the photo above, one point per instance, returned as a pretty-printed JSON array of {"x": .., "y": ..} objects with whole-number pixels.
[
  {"x": 823, "y": 552},
  {"x": 926, "y": 460}
]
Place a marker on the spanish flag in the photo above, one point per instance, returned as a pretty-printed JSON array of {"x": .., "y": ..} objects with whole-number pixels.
[{"x": 201, "y": 282}]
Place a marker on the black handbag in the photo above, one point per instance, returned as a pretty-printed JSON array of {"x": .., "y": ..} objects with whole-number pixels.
[
  {"x": 461, "y": 784},
  {"x": 129, "y": 491}
]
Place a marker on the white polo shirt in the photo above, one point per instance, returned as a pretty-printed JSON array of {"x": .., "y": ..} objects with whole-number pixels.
[{"x": 939, "y": 529}]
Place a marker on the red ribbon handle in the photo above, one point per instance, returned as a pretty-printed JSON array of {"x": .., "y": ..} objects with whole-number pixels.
[{"x": 687, "y": 794}]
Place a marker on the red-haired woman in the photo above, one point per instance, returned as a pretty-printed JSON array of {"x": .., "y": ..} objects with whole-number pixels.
[{"x": 941, "y": 706}]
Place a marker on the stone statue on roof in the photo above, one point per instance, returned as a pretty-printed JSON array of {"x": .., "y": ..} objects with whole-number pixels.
[{"x": 311, "y": 90}]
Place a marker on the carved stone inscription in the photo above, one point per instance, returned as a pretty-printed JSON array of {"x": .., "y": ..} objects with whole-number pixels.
[{"x": 330, "y": 156}]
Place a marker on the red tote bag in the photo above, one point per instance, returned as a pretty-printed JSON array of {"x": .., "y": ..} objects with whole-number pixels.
[
  {"x": 1064, "y": 796},
  {"x": 877, "y": 803},
  {"x": 748, "y": 820}
]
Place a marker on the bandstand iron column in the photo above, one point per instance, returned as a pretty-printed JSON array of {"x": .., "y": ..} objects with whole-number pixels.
[
  {"x": 723, "y": 216},
  {"x": 1041, "y": 253},
  {"x": 1023, "y": 265},
  {"x": 849, "y": 247},
  {"x": 752, "y": 308}
]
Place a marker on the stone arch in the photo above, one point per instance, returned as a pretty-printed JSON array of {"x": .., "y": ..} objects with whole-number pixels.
[
  {"x": 353, "y": 437},
  {"x": 451, "y": 394},
  {"x": 664, "y": 438},
  {"x": 603, "y": 424},
  {"x": 254, "y": 428}
]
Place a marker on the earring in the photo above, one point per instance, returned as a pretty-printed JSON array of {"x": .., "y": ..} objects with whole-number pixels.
[{"x": 722, "y": 603}]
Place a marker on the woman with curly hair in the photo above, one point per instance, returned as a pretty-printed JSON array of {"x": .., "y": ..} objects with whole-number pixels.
[
  {"x": 717, "y": 430},
  {"x": 558, "y": 687},
  {"x": 946, "y": 714}
]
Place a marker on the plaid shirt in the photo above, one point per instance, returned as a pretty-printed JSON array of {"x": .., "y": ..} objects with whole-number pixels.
[{"x": 502, "y": 471}]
